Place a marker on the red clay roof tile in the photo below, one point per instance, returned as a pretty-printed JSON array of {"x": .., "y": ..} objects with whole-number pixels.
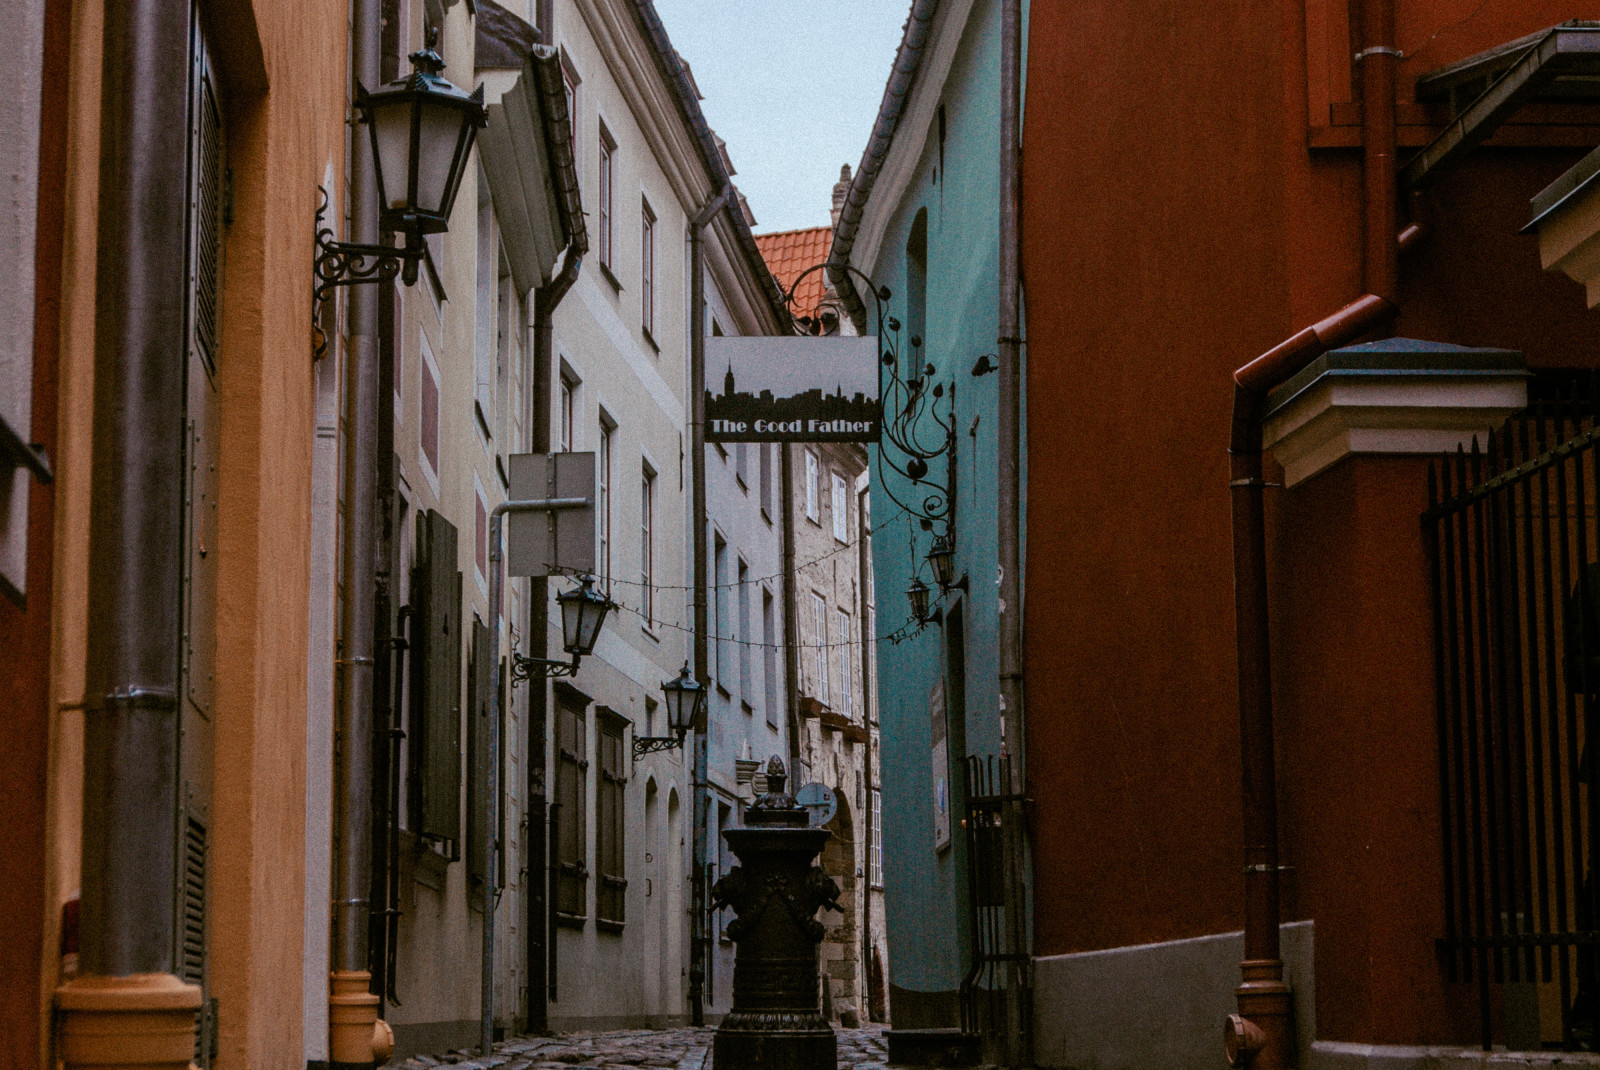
[{"x": 788, "y": 253}]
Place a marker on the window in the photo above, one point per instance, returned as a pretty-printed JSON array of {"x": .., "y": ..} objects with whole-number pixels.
[
  {"x": 875, "y": 858},
  {"x": 572, "y": 776},
  {"x": 719, "y": 610},
  {"x": 602, "y": 518},
  {"x": 647, "y": 546},
  {"x": 769, "y": 655},
  {"x": 569, "y": 83},
  {"x": 608, "y": 148},
  {"x": 483, "y": 341},
  {"x": 741, "y": 465},
  {"x": 841, "y": 509},
  {"x": 480, "y": 531},
  {"x": 610, "y": 798},
  {"x": 813, "y": 473},
  {"x": 568, "y": 411},
  {"x": 429, "y": 404},
  {"x": 846, "y": 684},
  {"x": 647, "y": 268},
  {"x": 746, "y": 692},
  {"x": 819, "y": 620},
  {"x": 766, "y": 480}
]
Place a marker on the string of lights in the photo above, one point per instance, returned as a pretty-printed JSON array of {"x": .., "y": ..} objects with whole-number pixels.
[
  {"x": 659, "y": 588},
  {"x": 910, "y": 628}
]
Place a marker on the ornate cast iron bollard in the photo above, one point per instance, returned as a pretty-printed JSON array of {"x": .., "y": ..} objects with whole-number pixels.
[{"x": 776, "y": 892}]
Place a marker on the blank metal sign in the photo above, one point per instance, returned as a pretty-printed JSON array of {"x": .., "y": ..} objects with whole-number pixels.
[{"x": 543, "y": 541}]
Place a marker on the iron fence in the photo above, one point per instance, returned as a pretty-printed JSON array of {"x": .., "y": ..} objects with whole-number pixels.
[
  {"x": 987, "y": 807},
  {"x": 1513, "y": 547}
]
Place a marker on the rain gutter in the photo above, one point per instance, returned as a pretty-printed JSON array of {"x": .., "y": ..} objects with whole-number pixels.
[{"x": 907, "y": 62}]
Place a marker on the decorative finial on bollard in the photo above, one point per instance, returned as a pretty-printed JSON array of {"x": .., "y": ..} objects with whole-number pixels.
[{"x": 776, "y": 806}]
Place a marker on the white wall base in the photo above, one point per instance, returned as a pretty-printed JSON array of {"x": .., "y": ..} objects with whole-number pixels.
[
  {"x": 1156, "y": 1006},
  {"x": 1332, "y": 1055}
]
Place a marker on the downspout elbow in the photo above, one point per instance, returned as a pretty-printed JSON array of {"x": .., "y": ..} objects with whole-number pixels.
[{"x": 709, "y": 210}]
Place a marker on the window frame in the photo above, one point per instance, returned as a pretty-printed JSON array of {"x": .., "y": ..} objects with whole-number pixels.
[
  {"x": 647, "y": 547},
  {"x": 819, "y": 621},
  {"x": 719, "y": 610},
  {"x": 875, "y": 849},
  {"x": 603, "y": 500},
  {"x": 769, "y": 651},
  {"x": 647, "y": 269},
  {"x": 813, "y": 489},
  {"x": 611, "y": 822},
  {"x": 572, "y": 794},
  {"x": 746, "y": 673},
  {"x": 846, "y": 681},
  {"x": 841, "y": 507},
  {"x": 606, "y": 179}
]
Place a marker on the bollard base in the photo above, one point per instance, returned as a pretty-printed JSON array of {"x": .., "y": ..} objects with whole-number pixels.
[{"x": 747, "y": 1041}]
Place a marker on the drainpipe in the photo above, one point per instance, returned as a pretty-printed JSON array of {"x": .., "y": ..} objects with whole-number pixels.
[
  {"x": 791, "y": 615},
  {"x": 702, "y": 660},
  {"x": 353, "y": 1009},
  {"x": 1009, "y": 434},
  {"x": 863, "y": 532},
  {"x": 1259, "y": 1034},
  {"x": 541, "y": 901},
  {"x": 127, "y": 1006}
]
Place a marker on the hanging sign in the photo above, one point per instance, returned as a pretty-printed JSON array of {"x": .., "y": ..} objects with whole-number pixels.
[{"x": 792, "y": 389}]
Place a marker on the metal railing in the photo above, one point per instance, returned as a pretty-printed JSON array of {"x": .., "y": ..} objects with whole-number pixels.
[
  {"x": 986, "y": 810},
  {"x": 1513, "y": 548}
]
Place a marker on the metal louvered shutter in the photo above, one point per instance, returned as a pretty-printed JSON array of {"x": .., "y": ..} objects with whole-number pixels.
[{"x": 436, "y": 684}]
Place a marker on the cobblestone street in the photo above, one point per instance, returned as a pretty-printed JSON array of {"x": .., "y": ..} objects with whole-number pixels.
[{"x": 670, "y": 1049}]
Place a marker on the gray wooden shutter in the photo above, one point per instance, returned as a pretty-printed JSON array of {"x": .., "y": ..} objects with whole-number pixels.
[
  {"x": 478, "y": 690},
  {"x": 438, "y": 665}
]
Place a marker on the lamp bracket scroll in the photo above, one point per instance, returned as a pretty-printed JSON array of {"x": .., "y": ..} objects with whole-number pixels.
[
  {"x": 643, "y": 745},
  {"x": 342, "y": 263},
  {"x": 524, "y": 668}
]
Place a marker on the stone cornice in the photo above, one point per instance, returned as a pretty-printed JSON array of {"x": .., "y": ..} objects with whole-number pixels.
[{"x": 631, "y": 65}]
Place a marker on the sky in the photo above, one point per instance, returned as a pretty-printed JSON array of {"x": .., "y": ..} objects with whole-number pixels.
[{"x": 793, "y": 87}]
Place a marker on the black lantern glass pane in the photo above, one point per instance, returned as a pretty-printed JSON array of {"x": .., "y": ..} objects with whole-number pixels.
[
  {"x": 391, "y": 134},
  {"x": 439, "y": 133},
  {"x": 683, "y": 700}
]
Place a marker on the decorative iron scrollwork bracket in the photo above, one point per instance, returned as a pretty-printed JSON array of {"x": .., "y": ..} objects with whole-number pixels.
[
  {"x": 918, "y": 413},
  {"x": 340, "y": 263},
  {"x": 524, "y": 667},
  {"x": 643, "y": 745}
]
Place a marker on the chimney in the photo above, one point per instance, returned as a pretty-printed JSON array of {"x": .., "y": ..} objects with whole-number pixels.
[{"x": 840, "y": 189}]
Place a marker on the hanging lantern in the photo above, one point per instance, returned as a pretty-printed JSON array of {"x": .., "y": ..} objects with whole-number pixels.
[
  {"x": 918, "y": 593},
  {"x": 583, "y": 611},
  {"x": 422, "y": 129}
]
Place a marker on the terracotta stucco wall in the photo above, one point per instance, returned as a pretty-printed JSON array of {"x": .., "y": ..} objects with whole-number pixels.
[
  {"x": 1188, "y": 229},
  {"x": 284, "y": 110}
]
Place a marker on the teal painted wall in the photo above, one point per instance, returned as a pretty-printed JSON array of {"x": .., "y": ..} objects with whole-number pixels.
[{"x": 957, "y": 185}]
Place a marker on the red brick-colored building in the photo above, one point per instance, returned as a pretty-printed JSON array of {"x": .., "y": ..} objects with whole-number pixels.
[{"x": 1195, "y": 192}]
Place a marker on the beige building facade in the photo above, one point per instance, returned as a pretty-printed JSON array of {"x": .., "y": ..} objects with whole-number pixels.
[{"x": 834, "y": 637}]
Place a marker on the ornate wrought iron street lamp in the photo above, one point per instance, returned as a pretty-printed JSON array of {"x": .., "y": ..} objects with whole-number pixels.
[
  {"x": 583, "y": 611},
  {"x": 686, "y": 697},
  {"x": 918, "y": 593},
  {"x": 943, "y": 559},
  {"x": 421, "y": 130}
]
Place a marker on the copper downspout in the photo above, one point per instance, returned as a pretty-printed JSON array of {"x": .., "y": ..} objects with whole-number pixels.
[
  {"x": 127, "y": 1006},
  {"x": 1259, "y": 1034}
]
